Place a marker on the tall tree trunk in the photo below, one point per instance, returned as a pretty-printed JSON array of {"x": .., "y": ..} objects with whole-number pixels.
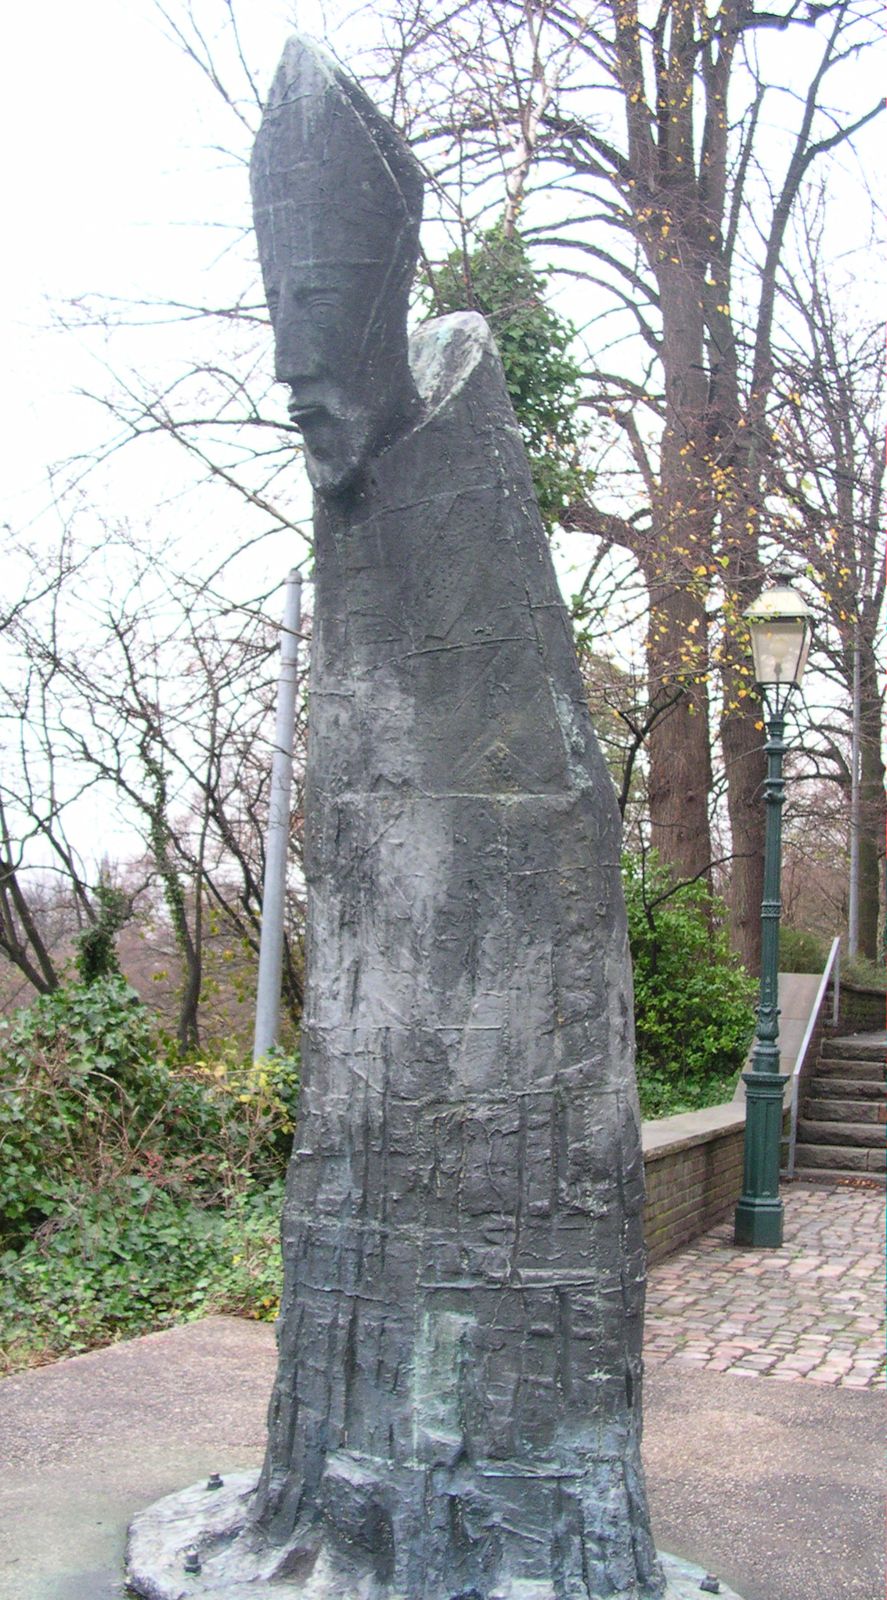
[
  {"x": 680, "y": 749},
  {"x": 872, "y": 809},
  {"x": 680, "y": 757},
  {"x": 742, "y": 721},
  {"x": 743, "y": 746}
]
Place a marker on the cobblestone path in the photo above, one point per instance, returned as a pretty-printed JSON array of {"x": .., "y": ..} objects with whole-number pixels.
[{"x": 811, "y": 1310}]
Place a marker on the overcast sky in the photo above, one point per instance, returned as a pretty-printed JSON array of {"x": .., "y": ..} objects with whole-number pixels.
[
  {"x": 109, "y": 185},
  {"x": 108, "y": 181}
]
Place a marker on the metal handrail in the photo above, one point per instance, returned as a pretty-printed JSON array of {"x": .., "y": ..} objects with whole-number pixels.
[{"x": 834, "y": 961}]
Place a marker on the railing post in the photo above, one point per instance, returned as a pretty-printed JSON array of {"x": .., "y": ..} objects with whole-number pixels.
[{"x": 832, "y": 968}]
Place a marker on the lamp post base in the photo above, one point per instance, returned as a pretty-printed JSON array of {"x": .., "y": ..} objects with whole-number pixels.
[
  {"x": 758, "y": 1222},
  {"x": 759, "y": 1212}
]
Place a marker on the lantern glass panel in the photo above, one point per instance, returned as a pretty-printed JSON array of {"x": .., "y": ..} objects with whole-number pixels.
[{"x": 780, "y": 646}]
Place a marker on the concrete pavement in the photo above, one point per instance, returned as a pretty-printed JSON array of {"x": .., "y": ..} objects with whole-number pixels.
[{"x": 85, "y": 1443}]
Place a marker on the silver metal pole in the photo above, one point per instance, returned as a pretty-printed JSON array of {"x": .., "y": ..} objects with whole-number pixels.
[
  {"x": 853, "y": 896},
  {"x": 274, "y": 890}
]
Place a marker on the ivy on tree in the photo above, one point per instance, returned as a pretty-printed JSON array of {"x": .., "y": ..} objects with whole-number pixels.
[
  {"x": 97, "y": 945},
  {"x": 498, "y": 280}
]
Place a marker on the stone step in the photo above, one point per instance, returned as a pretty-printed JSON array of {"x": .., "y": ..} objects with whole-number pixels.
[
  {"x": 843, "y": 1133},
  {"x": 873, "y": 1071},
  {"x": 838, "y": 1158},
  {"x": 823, "y": 1085},
  {"x": 831, "y": 1109},
  {"x": 868, "y": 1180},
  {"x": 853, "y": 1049}
]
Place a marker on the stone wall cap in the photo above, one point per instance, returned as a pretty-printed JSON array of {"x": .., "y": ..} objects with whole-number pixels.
[{"x": 687, "y": 1128}]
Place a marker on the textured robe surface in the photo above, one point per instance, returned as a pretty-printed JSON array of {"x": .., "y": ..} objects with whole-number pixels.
[{"x": 458, "y": 1398}]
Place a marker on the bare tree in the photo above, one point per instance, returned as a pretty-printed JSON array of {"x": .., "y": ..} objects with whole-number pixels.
[
  {"x": 828, "y": 470},
  {"x": 629, "y": 145},
  {"x": 157, "y": 694},
  {"x": 625, "y": 144}
]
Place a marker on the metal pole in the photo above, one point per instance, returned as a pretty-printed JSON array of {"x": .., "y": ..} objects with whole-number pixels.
[
  {"x": 853, "y": 898},
  {"x": 277, "y": 840},
  {"x": 759, "y": 1211}
]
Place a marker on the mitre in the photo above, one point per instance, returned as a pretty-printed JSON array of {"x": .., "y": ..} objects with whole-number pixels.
[{"x": 331, "y": 180}]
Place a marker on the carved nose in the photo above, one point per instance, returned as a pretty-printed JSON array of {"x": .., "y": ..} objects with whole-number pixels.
[
  {"x": 293, "y": 362},
  {"x": 295, "y": 344}
]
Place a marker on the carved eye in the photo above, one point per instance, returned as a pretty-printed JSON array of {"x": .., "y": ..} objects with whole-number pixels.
[{"x": 321, "y": 300}]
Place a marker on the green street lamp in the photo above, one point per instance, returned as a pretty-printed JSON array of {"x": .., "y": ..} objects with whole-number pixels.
[{"x": 781, "y": 628}]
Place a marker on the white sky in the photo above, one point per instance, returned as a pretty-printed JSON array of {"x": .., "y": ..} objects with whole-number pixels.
[{"x": 109, "y": 181}]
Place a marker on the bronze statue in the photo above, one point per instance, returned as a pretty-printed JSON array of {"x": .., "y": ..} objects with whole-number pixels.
[{"x": 457, "y": 1406}]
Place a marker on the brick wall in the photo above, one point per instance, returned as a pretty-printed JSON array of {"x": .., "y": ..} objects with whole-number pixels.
[
  {"x": 861, "y": 1010},
  {"x": 693, "y": 1167}
]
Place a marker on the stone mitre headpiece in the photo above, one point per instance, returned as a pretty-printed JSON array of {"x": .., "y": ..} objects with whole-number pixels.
[{"x": 331, "y": 180}]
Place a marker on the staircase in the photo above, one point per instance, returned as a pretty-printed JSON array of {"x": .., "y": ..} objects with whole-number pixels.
[{"x": 841, "y": 1128}]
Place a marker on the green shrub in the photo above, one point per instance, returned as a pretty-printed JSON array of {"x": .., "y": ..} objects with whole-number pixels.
[
  {"x": 800, "y": 951},
  {"x": 138, "y": 1189},
  {"x": 135, "y": 1188},
  {"x": 86, "y": 1098},
  {"x": 694, "y": 1015},
  {"x": 247, "y": 1272},
  {"x": 107, "y": 1265},
  {"x": 867, "y": 974},
  {"x": 132, "y": 1259},
  {"x": 543, "y": 378},
  {"x": 255, "y": 1106}
]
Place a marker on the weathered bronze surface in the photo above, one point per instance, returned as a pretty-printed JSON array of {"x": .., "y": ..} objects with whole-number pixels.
[{"x": 458, "y": 1400}]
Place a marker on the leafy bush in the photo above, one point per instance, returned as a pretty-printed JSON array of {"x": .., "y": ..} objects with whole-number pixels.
[
  {"x": 255, "y": 1105},
  {"x": 106, "y": 1265},
  {"x": 131, "y": 1259},
  {"x": 800, "y": 951},
  {"x": 138, "y": 1188},
  {"x": 87, "y": 1098},
  {"x": 247, "y": 1271},
  {"x": 862, "y": 971},
  {"x": 694, "y": 1015},
  {"x": 135, "y": 1188},
  {"x": 498, "y": 280}
]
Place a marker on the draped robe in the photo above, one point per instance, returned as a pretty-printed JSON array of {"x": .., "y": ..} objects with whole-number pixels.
[{"x": 457, "y": 1408}]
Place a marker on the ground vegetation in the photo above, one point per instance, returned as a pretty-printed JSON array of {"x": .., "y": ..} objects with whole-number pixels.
[
  {"x": 141, "y": 1184},
  {"x": 694, "y": 1015},
  {"x": 138, "y": 1186}
]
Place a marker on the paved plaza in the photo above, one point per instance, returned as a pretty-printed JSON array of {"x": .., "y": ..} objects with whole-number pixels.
[{"x": 812, "y": 1310}]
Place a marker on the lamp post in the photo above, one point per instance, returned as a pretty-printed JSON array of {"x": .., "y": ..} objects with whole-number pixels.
[{"x": 781, "y": 628}]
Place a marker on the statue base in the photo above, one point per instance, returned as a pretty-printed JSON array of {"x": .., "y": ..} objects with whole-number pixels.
[{"x": 210, "y": 1529}]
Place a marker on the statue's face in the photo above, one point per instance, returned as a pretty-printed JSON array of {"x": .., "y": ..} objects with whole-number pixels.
[{"x": 330, "y": 351}]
